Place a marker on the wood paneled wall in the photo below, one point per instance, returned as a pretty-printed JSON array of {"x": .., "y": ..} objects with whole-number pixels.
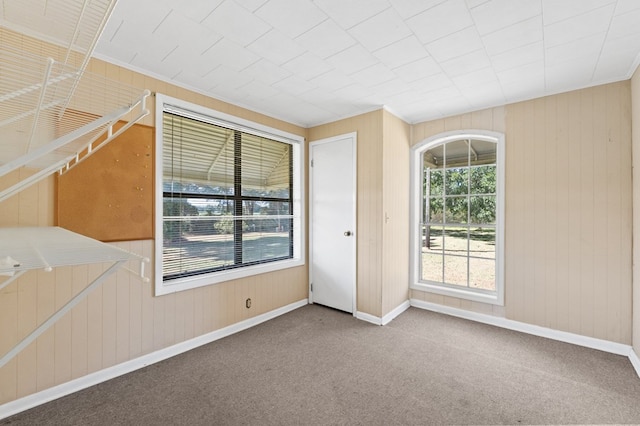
[
  {"x": 369, "y": 203},
  {"x": 395, "y": 231},
  {"x": 568, "y": 210},
  {"x": 635, "y": 131},
  {"x": 489, "y": 119},
  {"x": 120, "y": 320},
  {"x": 568, "y": 236}
]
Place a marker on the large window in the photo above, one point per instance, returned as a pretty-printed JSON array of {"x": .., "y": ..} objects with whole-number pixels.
[
  {"x": 228, "y": 200},
  {"x": 457, "y": 220}
]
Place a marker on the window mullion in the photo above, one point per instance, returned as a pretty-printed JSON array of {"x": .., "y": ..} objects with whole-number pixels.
[{"x": 237, "y": 197}]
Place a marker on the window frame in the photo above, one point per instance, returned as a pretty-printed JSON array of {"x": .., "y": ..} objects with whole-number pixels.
[
  {"x": 416, "y": 283},
  {"x": 166, "y": 103}
]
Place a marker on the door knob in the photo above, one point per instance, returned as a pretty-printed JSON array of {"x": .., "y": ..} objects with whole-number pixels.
[{"x": 347, "y": 233}]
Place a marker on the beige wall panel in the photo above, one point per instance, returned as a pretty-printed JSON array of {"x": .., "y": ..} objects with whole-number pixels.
[
  {"x": 121, "y": 319},
  {"x": 563, "y": 212},
  {"x": 635, "y": 94},
  {"x": 369, "y": 200},
  {"x": 564, "y": 258},
  {"x": 79, "y": 324},
  {"x": 63, "y": 327},
  {"x": 395, "y": 171}
]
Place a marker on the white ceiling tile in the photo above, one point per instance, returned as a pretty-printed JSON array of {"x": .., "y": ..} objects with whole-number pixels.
[
  {"x": 497, "y": 14},
  {"x": 353, "y": 59},
  {"x": 559, "y": 77},
  {"x": 259, "y": 89},
  {"x": 401, "y": 52},
  {"x": 250, "y": 5},
  {"x": 558, "y": 10},
  {"x": 574, "y": 50},
  {"x": 276, "y": 47},
  {"x": 198, "y": 37},
  {"x": 257, "y": 64},
  {"x": 227, "y": 77},
  {"x": 389, "y": 88},
  {"x": 307, "y": 66},
  {"x": 475, "y": 78},
  {"x": 509, "y": 38},
  {"x": 292, "y": 18},
  {"x": 325, "y": 39},
  {"x": 436, "y": 22},
  {"x": 229, "y": 53},
  {"x": 432, "y": 83},
  {"x": 625, "y": 6},
  {"x": 417, "y": 70},
  {"x": 197, "y": 10},
  {"x": 522, "y": 74},
  {"x": 168, "y": 69},
  {"x": 519, "y": 56},
  {"x": 294, "y": 85},
  {"x": 577, "y": 27},
  {"x": 266, "y": 72},
  {"x": 352, "y": 12},
  {"x": 381, "y": 30},
  {"x": 373, "y": 75},
  {"x": 617, "y": 58},
  {"x": 467, "y": 63},
  {"x": 235, "y": 23},
  {"x": 408, "y": 8},
  {"x": 475, "y": 3},
  {"x": 488, "y": 93},
  {"x": 625, "y": 25},
  {"x": 454, "y": 45}
]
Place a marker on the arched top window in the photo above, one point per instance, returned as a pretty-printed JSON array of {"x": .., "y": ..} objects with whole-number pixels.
[{"x": 457, "y": 215}]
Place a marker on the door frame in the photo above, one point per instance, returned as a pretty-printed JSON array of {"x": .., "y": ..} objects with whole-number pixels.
[{"x": 354, "y": 142}]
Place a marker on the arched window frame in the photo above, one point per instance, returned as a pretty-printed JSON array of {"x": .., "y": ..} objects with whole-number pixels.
[{"x": 496, "y": 297}]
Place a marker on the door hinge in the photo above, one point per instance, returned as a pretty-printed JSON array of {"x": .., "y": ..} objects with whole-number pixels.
[
  {"x": 311, "y": 287},
  {"x": 311, "y": 162}
]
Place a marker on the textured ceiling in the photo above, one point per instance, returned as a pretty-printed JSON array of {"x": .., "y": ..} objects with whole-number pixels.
[{"x": 311, "y": 62}]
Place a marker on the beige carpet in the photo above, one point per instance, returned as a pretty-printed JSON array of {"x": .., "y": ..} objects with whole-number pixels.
[{"x": 316, "y": 366}]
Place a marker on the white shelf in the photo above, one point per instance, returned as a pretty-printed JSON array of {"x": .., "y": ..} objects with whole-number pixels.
[
  {"x": 50, "y": 247},
  {"x": 44, "y": 248}
]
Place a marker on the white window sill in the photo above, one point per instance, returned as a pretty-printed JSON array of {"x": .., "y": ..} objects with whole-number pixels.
[
  {"x": 186, "y": 283},
  {"x": 460, "y": 293}
]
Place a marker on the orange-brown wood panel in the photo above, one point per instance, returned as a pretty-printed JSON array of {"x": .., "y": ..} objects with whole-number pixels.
[{"x": 109, "y": 196}]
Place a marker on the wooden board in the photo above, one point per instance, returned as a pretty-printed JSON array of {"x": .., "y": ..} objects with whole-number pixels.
[{"x": 109, "y": 196}]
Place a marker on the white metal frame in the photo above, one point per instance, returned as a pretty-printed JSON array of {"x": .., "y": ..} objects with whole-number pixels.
[
  {"x": 31, "y": 248},
  {"x": 415, "y": 283},
  {"x": 354, "y": 241}
]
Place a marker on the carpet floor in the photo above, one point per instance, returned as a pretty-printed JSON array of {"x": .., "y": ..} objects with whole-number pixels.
[{"x": 317, "y": 366}]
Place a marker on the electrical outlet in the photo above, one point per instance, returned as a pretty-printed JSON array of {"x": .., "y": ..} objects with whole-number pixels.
[{"x": 247, "y": 303}]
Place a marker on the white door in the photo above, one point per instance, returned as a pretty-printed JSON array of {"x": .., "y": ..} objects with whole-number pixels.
[{"x": 332, "y": 217}]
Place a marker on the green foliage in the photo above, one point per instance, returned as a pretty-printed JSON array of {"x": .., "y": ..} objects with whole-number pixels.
[
  {"x": 461, "y": 194},
  {"x": 174, "y": 229}
]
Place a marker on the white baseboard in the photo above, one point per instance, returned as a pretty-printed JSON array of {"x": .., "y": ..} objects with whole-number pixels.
[
  {"x": 635, "y": 361},
  {"x": 385, "y": 319},
  {"x": 369, "y": 318},
  {"x": 563, "y": 336},
  {"x": 39, "y": 398},
  {"x": 395, "y": 312}
]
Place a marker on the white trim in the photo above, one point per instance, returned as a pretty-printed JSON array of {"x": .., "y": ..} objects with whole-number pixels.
[
  {"x": 562, "y": 336},
  {"x": 395, "y": 312},
  {"x": 42, "y": 397},
  {"x": 635, "y": 361},
  {"x": 385, "y": 319},
  {"x": 354, "y": 139},
  {"x": 368, "y": 318},
  {"x": 497, "y": 297},
  {"x": 209, "y": 115}
]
